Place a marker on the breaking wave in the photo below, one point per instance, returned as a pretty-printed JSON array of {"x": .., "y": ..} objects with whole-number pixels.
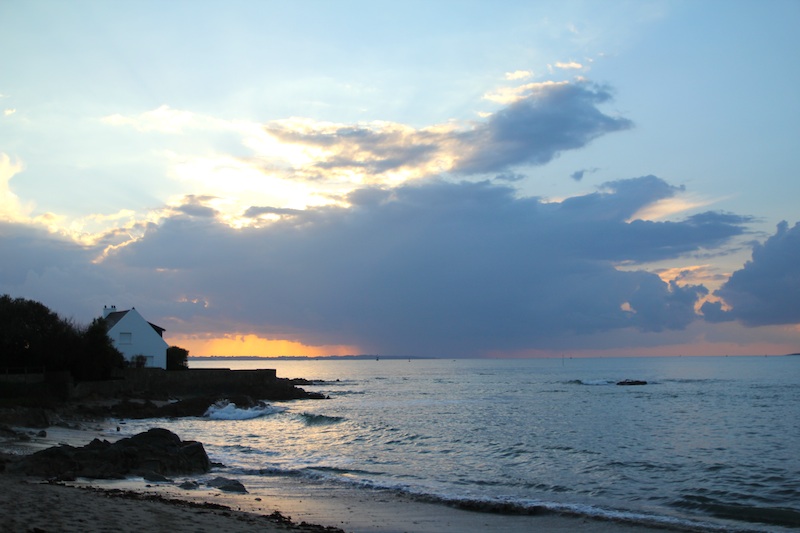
[
  {"x": 593, "y": 382},
  {"x": 225, "y": 410}
]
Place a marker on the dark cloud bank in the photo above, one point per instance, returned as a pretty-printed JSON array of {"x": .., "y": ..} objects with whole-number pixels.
[
  {"x": 767, "y": 290},
  {"x": 436, "y": 269},
  {"x": 431, "y": 269}
]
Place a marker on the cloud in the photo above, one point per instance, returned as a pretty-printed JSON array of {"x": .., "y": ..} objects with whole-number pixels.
[
  {"x": 536, "y": 129},
  {"x": 295, "y": 163},
  {"x": 195, "y": 205},
  {"x": 509, "y": 95},
  {"x": 543, "y": 120},
  {"x": 362, "y": 150},
  {"x": 578, "y": 174},
  {"x": 55, "y": 270},
  {"x": 510, "y": 177},
  {"x": 569, "y": 65},
  {"x": 163, "y": 120},
  {"x": 433, "y": 268},
  {"x": 256, "y": 211},
  {"x": 519, "y": 75},
  {"x": 766, "y": 291}
]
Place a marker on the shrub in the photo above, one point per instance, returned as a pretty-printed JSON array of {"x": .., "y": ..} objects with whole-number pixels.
[{"x": 177, "y": 358}]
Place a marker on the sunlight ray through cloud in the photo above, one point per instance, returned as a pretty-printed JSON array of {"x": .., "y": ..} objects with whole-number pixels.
[
  {"x": 11, "y": 208},
  {"x": 668, "y": 207}
]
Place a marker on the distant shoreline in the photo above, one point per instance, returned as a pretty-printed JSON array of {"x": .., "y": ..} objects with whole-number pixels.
[
  {"x": 407, "y": 357},
  {"x": 301, "y": 357}
]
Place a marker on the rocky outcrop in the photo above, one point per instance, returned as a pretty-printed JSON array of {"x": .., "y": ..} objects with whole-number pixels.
[
  {"x": 157, "y": 451},
  {"x": 139, "y": 409}
]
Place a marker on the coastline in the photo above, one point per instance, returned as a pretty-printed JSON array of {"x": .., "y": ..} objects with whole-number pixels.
[{"x": 29, "y": 504}]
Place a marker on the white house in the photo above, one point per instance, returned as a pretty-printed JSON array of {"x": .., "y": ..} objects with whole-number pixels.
[{"x": 133, "y": 335}]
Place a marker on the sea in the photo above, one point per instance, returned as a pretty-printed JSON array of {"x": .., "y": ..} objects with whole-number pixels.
[{"x": 707, "y": 444}]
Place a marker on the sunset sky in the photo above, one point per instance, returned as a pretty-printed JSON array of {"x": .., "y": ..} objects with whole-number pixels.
[{"x": 448, "y": 178}]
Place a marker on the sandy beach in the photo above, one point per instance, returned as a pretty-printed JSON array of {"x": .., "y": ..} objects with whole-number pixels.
[
  {"x": 133, "y": 505},
  {"x": 29, "y": 505}
]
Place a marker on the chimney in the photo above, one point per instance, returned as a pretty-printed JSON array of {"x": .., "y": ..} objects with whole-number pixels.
[{"x": 108, "y": 310}]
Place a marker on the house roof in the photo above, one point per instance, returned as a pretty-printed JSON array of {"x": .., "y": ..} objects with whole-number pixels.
[{"x": 116, "y": 316}]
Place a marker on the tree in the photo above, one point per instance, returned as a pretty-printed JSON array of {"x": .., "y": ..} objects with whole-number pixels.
[
  {"x": 99, "y": 357},
  {"x": 31, "y": 335},
  {"x": 177, "y": 358}
]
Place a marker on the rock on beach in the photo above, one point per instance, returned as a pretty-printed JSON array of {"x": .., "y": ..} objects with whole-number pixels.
[{"x": 156, "y": 451}]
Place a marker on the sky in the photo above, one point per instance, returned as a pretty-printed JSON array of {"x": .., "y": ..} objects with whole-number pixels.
[{"x": 447, "y": 179}]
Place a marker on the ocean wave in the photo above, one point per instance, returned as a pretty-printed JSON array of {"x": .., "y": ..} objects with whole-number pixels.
[
  {"x": 225, "y": 410},
  {"x": 347, "y": 392},
  {"x": 366, "y": 480},
  {"x": 775, "y": 516},
  {"x": 312, "y": 419}
]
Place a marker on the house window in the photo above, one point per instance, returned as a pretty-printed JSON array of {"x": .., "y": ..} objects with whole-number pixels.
[{"x": 125, "y": 338}]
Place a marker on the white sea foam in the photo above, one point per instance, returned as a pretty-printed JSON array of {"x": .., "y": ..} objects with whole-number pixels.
[
  {"x": 367, "y": 480},
  {"x": 224, "y": 410},
  {"x": 596, "y": 382}
]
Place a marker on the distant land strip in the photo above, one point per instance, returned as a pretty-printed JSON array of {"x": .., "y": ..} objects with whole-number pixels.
[{"x": 299, "y": 357}]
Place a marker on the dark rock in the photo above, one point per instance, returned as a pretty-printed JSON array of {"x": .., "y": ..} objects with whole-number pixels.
[
  {"x": 57, "y": 462},
  {"x": 6, "y": 459},
  {"x": 631, "y": 382},
  {"x": 188, "y": 407},
  {"x": 189, "y": 485},
  {"x": 227, "y": 485},
  {"x": 29, "y": 417},
  {"x": 198, "y": 406},
  {"x": 157, "y": 450},
  {"x": 154, "y": 477},
  {"x": 10, "y": 434}
]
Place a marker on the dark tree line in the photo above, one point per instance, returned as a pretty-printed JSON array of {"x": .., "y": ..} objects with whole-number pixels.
[{"x": 33, "y": 336}]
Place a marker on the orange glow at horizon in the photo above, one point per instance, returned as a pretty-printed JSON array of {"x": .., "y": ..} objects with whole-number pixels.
[{"x": 253, "y": 345}]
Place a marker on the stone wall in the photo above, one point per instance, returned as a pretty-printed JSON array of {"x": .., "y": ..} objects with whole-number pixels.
[{"x": 156, "y": 381}]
